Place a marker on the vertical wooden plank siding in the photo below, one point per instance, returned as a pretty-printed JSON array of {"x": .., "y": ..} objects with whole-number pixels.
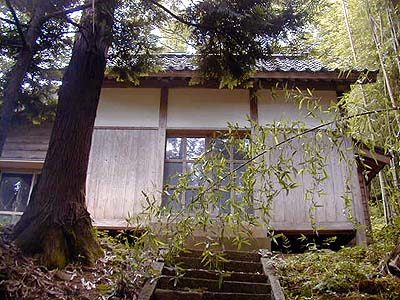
[
  {"x": 122, "y": 164},
  {"x": 291, "y": 211}
]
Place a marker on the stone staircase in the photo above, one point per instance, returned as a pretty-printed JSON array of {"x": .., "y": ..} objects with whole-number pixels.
[{"x": 243, "y": 276}]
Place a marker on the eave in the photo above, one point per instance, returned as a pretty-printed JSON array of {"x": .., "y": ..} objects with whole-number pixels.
[
  {"x": 330, "y": 80},
  {"x": 372, "y": 162}
]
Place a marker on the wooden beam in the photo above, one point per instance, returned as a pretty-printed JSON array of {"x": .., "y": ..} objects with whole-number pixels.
[
  {"x": 156, "y": 82},
  {"x": 350, "y": 77},
  {"x": 312, "y": 232},
  {"x": 9, "y": 164},
  {"x": 375, "y": 156},
  {"x": 124, "y": 128},
  {"x": 203, "y": 132}
]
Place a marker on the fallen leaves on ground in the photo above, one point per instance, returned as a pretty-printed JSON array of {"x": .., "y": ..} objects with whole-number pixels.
[{"x": 115, "y": 276}]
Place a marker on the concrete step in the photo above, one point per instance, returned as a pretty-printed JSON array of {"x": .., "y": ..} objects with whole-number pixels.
[
  {"x": 230, "y": 255},
  {"x": 225, "y": 286},
  {"x": 230, "y": 266},
  {"x": 161, "y": 294},
  {"x": 210, "y": 274}
]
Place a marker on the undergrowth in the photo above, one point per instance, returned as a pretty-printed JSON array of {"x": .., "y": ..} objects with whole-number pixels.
[
  {"x": 118, "y": 275},
  {"x": 351, "y": 273}
]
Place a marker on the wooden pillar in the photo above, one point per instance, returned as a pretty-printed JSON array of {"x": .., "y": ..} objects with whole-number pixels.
[
  {"x": 253, "y": 104},
  {"x": 365, "y": 196},
  {"x": 162, "y": 133},
  {"x": 163, "y": 108}
]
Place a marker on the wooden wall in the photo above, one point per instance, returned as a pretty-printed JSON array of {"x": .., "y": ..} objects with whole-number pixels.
[
  {"x": 123, "y": 164},
  {"x": 127, "y": 154},
  {"x": 292, "y": 212},
  {"x": 27, "y": 142}
]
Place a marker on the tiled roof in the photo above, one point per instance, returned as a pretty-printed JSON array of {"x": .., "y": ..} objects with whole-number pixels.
[{"x": 276, "y": 63}]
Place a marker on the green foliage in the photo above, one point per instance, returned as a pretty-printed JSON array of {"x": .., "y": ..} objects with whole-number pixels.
[
  {"x": 134, "y": 44},
  {"x": 231, "y": 36},
  {"x": 227, "y": 204},
  {"x": 332, "y": 44},
  {"x": 130, "y": 264},
  {"x": 351, "y": 273},
  {"x": 37, "y": 99}
]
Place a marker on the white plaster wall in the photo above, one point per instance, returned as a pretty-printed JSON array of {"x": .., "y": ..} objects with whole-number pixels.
[
  {"x": 275, "y": 106},
  {"x": 128, "y": 107},
  {"x": 207, "y": 108}
]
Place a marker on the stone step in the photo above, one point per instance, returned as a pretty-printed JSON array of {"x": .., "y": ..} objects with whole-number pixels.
[
  {"x": 161, "y": 294},
  {"x": 230, "y": 266},
  {"x": 225, "y": 286},
  {"x": 228, "y": 254},
  {"x": 209, "y": 274}
]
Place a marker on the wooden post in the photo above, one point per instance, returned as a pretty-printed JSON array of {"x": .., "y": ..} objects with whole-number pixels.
[{"x": 162, "y": 132}]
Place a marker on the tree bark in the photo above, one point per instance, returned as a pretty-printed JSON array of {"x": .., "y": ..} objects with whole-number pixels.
[
  {"x": 391, "y": 265},
  {"x": 17, "y": 74},
  {"x": 56, "y": 224}
]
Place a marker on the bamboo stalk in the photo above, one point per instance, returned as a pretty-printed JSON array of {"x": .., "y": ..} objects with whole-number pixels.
[
  {"x": 393, "y": 33},
  {"x": 387, "y": 212},
  {"x": 382, "y": 62},
  {"x": 348, "y": 28},
  {"x": 353, "y": 50}
]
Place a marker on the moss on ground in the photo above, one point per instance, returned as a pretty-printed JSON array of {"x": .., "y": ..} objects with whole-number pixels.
[{"x": 351, "y": 273}]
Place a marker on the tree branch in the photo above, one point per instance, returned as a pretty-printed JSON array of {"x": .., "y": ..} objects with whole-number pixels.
[
  {"x": 285, "y": 141},
  {"x": 80, "y": 27},
  {"x": 8, "y": 21},
  {"x": 17, "y": 22},
  {"x": 63, "y": 13},
  {"x": 176, "y": 17}
]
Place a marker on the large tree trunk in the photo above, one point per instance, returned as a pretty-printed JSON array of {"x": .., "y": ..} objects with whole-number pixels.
[
  {"x": 56, "y": 224},
  {"x": 18, "y": 72}
]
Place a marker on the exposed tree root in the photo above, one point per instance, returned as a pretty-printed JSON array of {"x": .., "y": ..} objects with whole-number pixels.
[{"x": 57, "y": 245}]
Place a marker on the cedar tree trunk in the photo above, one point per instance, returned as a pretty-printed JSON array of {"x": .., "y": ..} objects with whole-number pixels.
[
  {"x": 56, "y": 224},
  {"x": 18, "y": 72}
]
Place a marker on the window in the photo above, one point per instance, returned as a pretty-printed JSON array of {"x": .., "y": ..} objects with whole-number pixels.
[
  {"x": 15, "y": 190},
  {"x": 180, "y": 157}
]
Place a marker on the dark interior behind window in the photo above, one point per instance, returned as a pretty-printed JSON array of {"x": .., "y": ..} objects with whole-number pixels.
[{"x": 14, "y": 191}]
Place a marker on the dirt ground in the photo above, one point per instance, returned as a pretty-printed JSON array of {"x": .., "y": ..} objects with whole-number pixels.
[{"x": 114, "y": 277}]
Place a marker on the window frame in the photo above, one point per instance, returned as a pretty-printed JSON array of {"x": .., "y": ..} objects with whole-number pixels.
[
  {"x": 208, "y": 135},
  {"x": 34, "y": 173}
]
